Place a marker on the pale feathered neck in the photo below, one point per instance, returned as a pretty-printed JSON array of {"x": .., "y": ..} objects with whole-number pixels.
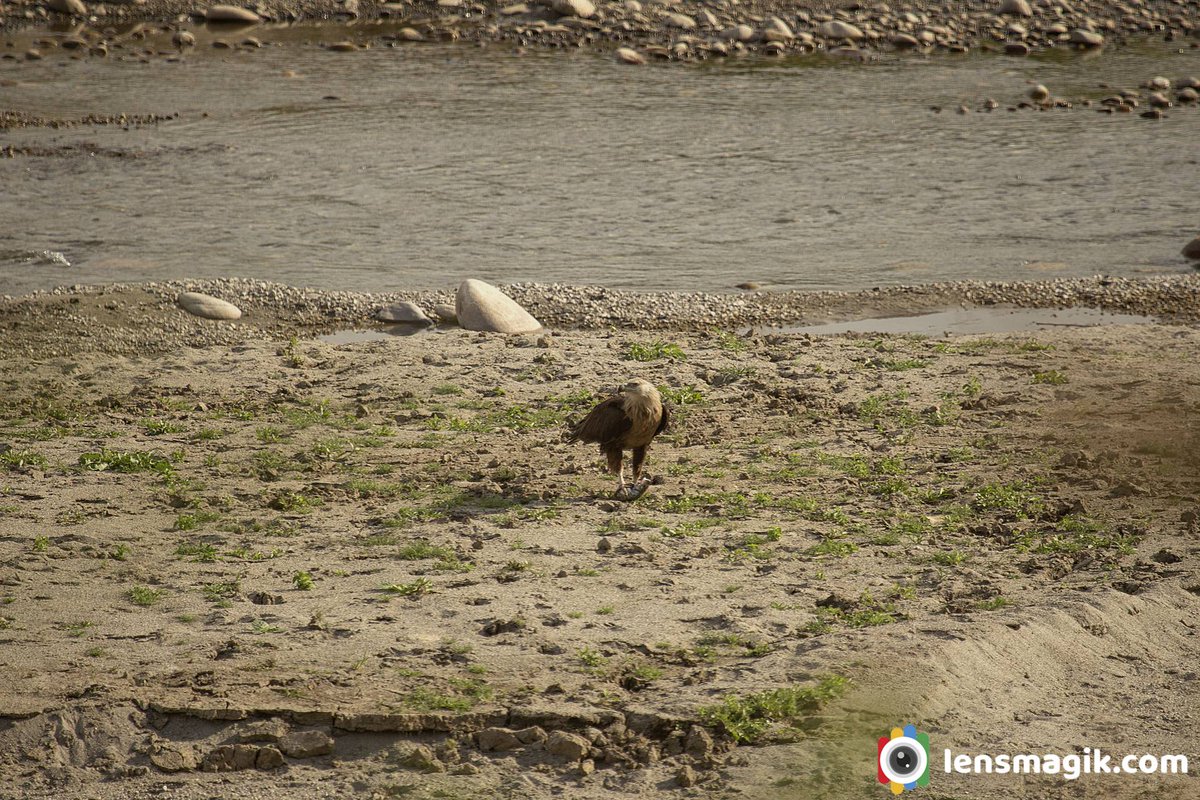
[{"x": 643, "y": 406}]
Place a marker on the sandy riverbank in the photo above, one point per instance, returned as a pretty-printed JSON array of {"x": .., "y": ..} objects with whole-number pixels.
[
  {"x": 142, "y": 319},
  {"x": 386, "y": 548}
]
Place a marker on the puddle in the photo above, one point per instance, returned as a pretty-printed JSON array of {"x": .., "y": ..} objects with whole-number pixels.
[
  {"x": 973, "y": 320},
  {"x": 356, "y": 335}
]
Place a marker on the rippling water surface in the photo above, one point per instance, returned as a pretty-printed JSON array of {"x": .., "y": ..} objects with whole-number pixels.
[{"x": 418, "y": 166}]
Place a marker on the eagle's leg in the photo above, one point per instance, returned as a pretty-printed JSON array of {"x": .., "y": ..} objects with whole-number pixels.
[
  {"x": 640, "y": 482},
  {"x": 616, "y": 467}
]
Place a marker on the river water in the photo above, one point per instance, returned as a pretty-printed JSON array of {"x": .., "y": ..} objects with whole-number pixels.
[{"x": 414, "y": 167}]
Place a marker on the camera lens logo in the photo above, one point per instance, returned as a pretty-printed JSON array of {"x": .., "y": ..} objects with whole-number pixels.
[{"x": 904, "y": 759}]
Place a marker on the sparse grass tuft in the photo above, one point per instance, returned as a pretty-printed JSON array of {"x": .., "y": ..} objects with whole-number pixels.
[
  {"x": 119, "y": 461},
  {"x": 653, "y": 351},
  {"x": 412, "y": 589},
  {"x": 21, "y": 459},
  {"x": 746, "y": 718},
  {"x": 145, "y": 596},
  {"x": 1052, "y": 377}
]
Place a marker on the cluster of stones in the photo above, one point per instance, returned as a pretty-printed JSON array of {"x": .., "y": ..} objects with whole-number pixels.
[
  {"x": 16, "y": 119},
  {"x": 615, "y": 745},
  {"x": 1155, "y": 96},
  {"x": 638, "y": 30}
]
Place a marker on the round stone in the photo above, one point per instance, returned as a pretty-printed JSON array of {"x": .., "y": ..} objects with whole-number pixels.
[
  {"x": 627, "y": 55},
  {"x": 223, "y": 13},
  {"x": 1020, "y": 8},
  {"x": 405, "y": 313},
  {"x": 203, "y": 305},
  {"x": 1085, "y": 38},
  {"x": 836, "y": 29}
]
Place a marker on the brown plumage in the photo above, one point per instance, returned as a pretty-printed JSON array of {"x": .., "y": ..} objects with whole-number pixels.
[{"x": 629, "y": 420}]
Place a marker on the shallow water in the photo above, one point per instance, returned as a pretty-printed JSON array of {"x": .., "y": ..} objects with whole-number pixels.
[
  {"x": 418, "y": 166},
  {"x": 973, "y": 320}
]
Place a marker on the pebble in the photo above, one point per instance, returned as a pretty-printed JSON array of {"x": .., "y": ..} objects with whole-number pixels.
[
  {"x": 836, "y": 29},
  {"x": 682, "y": 21},
  {"x": 627, "y": 55},
  {"x": 574, "y": 8},
  {"x": 1039, "y": 94},
  {"x": 408, "y": 313},
  {"x": 1086, "y": 38},
  {"x": 207, "y": 306},
  {"x": 1192, "y": 249},
  {"x": 225, "y": 13},
  {"x": 1019, "y": 8},
  {"x": 73, "y": 7}
]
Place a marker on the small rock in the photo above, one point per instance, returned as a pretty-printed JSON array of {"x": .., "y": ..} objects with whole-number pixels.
[
  {"x": 480, "y": 306},
  {"x": 749, "y": 286},
  {"x": 682, "y": 21},
  {"x": 1039, "y": 94},
  {"x": 446, "y": 313},
  {"x": 74, "y": 7},
  {"x": 268, "y": 758},
  {"x": 1127, "y": 489},
  {"x": 627, "y": 55},
  {"x": 533, "y": 733},
  {"x": 497, "y": 740},
  {"x": 1166, "y": 556},
  {"x": 263, "y": 730},
  {"x": 836, "y": 29},
  {"x": 1020, "y": 8},
  {"x": 223, "y": 13},
  {"x": 407, "y": 313},
  {"x": 574, "y": 8},
  {"x": 231, "y": 758},
  {"x": 307, "y": 744},
  {"x": 1085, "y": 38},
  {"x": 699, "y": 742},
  {"x": 422, "y": 758},
  {"x": 686, "y": 776},
  {"x": 202, "y": 305},
  {"x": 182, "y": 39},
  {"x": 567, "y": 745},
  {"x": 174, "y": 760},
  {"x": 1192, "y": 249},
  {"x": 587, "y": 767}
]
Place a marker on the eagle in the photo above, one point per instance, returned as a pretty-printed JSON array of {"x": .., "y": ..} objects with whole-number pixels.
[{"x": 629, "y": 420}]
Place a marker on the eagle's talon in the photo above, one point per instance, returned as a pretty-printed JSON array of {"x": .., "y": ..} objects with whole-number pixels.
[{"x": 634, "y": 491}]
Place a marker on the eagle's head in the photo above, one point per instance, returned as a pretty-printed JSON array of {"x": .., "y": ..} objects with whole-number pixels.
[{"x": 639, "y": 387}]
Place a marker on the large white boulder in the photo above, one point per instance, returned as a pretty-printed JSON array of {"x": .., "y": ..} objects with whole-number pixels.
[
  {"x": 203, "y": 305},
  {"x": 482, "y": 307}
]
